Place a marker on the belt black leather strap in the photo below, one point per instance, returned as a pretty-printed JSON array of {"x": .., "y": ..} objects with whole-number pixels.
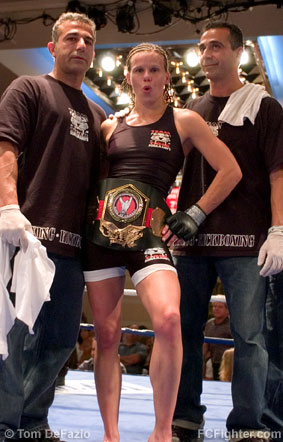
[{"x": 130, "y": 215}]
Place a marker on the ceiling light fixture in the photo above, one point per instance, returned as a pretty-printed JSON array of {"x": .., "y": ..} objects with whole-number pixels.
[
  {"x": 98, "y": 16},
  {"x": 162, "y": 14},
  {"x": 192, "y": 58},
  {"x": 108, "y": 63},
  {"x": 75, "y": 6},
  {"x": 245, "y": 57},
  {"x": 125, "y": 17}
]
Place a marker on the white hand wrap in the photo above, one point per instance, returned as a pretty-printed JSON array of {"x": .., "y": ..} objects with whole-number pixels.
[
  {"x": 196, "y": 213},
  {"x": 13, "y": 225},
  {"x": 271, "y": 252}
]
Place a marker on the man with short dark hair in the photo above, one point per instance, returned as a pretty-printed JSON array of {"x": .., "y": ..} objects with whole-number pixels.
[
  {"x": 49, "y": 155},
  {"x": 243, "y": 233}
]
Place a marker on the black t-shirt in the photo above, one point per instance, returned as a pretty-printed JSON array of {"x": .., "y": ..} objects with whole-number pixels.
[
  {"x": 237, "y": 227},
  {"x": 56, "y": 131}
]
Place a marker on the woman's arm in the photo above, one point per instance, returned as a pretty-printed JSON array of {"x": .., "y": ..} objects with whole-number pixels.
[{"x": 194, "y": 131}]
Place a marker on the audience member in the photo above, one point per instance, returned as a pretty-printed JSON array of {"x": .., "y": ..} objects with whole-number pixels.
[
  {"x": 208, "y": 370},
  {"x": 148, "y": 341},
  {"x": 132, "y": 352},
  {"x": 226, "y": 366},
  {"x": 217, "y": 327},
  {"x": 88, "y": 364},
  {"x": 84, "y": 345}
]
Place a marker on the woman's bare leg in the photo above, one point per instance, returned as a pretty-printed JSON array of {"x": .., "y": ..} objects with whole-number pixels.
[
  {"x": 160, "y": 294},
  {"x": 105, "y": 299}
]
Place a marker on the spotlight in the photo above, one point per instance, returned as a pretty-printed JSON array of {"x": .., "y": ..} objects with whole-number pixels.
[
  {"x": 191, "y": 57},
  {"x": 75, "y": 6},
  {"x": 107, "y": 63},
  {"x": 125, "y": 17},
  {"x": 162, "y": 15},
  {"x": 245, "y": 57},
  {"x": 97, "y": 16},
  {"x": 123, "y": 99}
]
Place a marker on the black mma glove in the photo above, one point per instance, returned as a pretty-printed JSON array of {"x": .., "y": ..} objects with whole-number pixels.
[{"x": 185, "y": 224}]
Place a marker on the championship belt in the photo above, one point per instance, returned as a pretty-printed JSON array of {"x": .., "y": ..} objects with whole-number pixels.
[{"x": 130, "y": 215}]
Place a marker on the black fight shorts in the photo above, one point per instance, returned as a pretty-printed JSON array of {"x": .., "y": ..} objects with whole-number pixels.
[{"x": 102, "y": 263}]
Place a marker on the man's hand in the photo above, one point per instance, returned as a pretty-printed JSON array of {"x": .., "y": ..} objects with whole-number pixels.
[
  {"x": 271, "y": 252},
  {"x": 13, "y": 226}
]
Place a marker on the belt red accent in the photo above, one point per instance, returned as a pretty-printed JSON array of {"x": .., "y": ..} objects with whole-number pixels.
[{"x": 147, "y": 216}]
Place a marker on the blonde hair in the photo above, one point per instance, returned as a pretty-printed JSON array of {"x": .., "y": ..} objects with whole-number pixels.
[
  {"x": 226, "y": 366},
  {"x": 147, "y": 47},
  {"x": 72, "y": 16}
]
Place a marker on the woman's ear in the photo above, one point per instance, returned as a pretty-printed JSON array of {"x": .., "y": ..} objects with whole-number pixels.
[
  {"x": 167, "y": 79},
  {"x": 128, "y": 78}
]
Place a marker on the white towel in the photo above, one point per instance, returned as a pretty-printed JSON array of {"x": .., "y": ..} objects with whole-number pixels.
[
  {"x": 32, "y": 278},
  {"x": 243, "y": 103},
  {"x": 7, "y": 311},
  {"x": 33, "y": 275}
]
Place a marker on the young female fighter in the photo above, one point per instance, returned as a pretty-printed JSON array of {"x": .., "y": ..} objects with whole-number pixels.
[{"x": 145, "y": 152}]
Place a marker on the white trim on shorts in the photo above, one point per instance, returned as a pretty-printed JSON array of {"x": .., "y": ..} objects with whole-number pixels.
[
  {"x": 139, "y": 275},
  {"x": 114, "y": 272},
  {"x": 100, "y": 275}
]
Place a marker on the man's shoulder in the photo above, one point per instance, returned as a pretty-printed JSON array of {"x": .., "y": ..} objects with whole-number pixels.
[
  {"x": 96, "y": 109},
  {"x": 26, "y": 83},
  {"x": 31, "y": 79},
  {"x": 270, "y": 113},
  {"x": 210, "y": 322},
  {"x": 210, "y": 325},
  {"x": 271, "y": 103},
  {"x": 191, "y": 104}
]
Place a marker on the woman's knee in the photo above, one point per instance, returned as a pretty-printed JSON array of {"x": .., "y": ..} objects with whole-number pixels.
[
  {"x": 108, "y": 337},
  {"x": 168, "y": 323}
]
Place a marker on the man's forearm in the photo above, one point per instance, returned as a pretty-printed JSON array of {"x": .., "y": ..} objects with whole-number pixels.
[
  {"x": 276, "y": 183},
  {"x": 130, "y": 359},
  {"x": 8, "y": 174}
]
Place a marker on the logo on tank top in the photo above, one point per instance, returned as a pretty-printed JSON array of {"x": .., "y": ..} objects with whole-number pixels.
[
  {"x": 161, "y": 139},
  {"x": 79, "y": 125}
]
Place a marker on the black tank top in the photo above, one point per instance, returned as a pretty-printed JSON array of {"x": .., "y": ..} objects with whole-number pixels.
[{"x": 152, "y": 153}]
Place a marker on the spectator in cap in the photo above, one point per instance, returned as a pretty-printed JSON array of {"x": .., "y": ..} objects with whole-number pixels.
[{"x": 217, "y": 327}]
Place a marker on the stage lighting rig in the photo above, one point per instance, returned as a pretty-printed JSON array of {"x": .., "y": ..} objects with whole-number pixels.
[
  {"x": 162, "y": 14},
  {"x": 125, "y": 17},
  {"x": 75, "y": 6},
  {"x": 98, "y": 16}
]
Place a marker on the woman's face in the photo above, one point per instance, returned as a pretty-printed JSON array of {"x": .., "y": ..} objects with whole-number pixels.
[{"x": 147, "y": 75}]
